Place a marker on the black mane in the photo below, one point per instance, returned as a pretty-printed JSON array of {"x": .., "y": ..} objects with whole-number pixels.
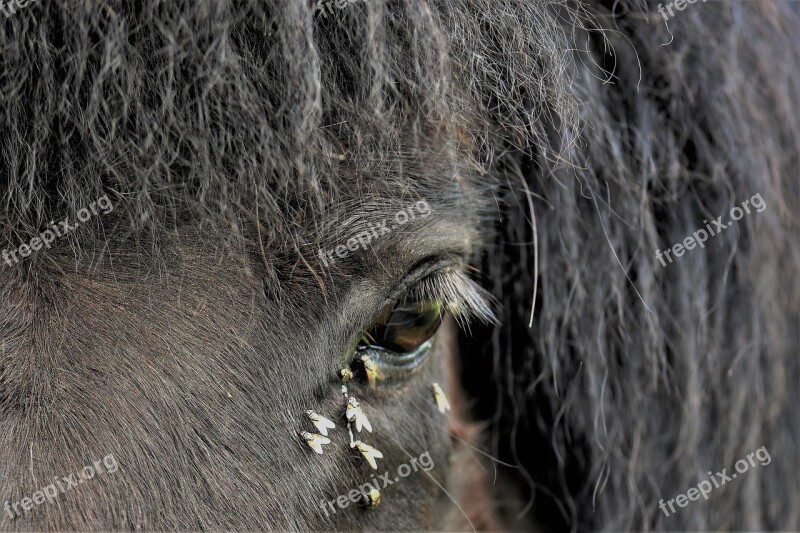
[{"x": 634, "y": 379}]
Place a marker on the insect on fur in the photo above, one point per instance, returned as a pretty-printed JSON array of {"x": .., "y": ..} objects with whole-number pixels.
[
  {"x": 356, "y": 415},
  {"x": 369, "y": 453},
  {"x": 314, "y": 440},
  {"x": 320, "y": 422},
  {"x": 441, "y": 399}
]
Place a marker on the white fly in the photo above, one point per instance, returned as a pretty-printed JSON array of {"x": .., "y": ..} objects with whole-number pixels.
[
  {"x": 355, "y": 414},
  {"x": 314, "y": 441},
  {"x": 441, "y": 399},
  {"x": 320, "y": 422},
  {"x": 368, "y": 452}
]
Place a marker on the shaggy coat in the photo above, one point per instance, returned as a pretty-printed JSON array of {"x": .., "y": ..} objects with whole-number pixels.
[{"x": 559, "y": 144}]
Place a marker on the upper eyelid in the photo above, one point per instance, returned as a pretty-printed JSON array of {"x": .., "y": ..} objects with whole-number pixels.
[
  {"x": 419, "y": 272},
  {"x": 463, "y": 297},
  {"x": 444, "y": 279}
]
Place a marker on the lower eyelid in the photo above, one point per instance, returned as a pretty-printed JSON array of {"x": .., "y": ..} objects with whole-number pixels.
[
  {"x": 408, "y": 360},
  {"x": 400, "y": 366}
]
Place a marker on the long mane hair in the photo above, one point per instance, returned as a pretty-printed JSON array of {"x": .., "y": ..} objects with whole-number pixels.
[{"x": 600, "y": 131}]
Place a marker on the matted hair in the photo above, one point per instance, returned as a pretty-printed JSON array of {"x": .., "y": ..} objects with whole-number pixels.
[{"x": 634, "y": 379}]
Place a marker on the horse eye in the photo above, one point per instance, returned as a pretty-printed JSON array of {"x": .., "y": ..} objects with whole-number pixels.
[{"x": 405, "y": 326}]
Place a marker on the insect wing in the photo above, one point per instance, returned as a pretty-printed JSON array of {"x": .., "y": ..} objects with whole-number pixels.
[
  {"x": 355, "y": 414},
  {"x": 441, "y": 399},
  {"x": 370, "y": 454},
  {"x": 322, "y": 424},
  {"x": 315, "y": 442},
  {"x": 361, "y": 421},
  {"x": 373, "y": 498},
  {"x": 373, "y": 372}
]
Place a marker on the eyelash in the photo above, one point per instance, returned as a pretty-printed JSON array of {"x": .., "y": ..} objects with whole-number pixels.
[{"x": 464, "y": 299}]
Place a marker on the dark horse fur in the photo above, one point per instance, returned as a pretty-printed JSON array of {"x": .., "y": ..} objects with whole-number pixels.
[{"x": 186, "y": 331}]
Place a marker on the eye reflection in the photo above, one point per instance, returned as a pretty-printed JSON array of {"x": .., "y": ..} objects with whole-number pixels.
[{"x": 405, "y": 327}]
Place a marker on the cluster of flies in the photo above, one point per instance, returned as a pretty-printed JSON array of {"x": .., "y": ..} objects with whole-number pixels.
[{"x": 355, "y": 417}]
